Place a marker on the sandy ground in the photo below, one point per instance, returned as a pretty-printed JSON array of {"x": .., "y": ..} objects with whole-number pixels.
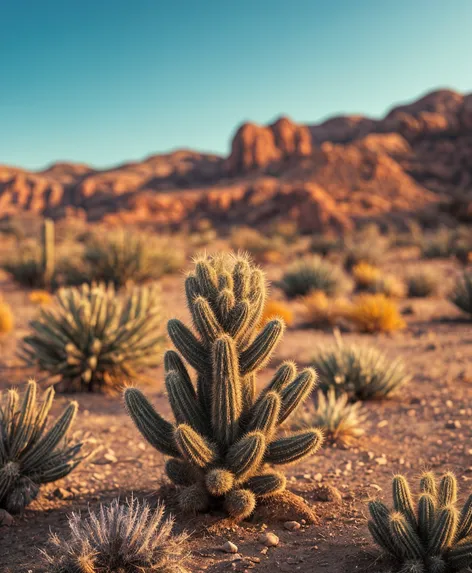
[{"x": 427, "y": 425}]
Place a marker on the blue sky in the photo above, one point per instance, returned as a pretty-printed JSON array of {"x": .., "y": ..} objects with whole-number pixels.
[{"x": 106, "y": 81}]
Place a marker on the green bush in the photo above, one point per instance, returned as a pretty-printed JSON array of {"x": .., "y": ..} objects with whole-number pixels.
[{"x": 313, "y": 274}]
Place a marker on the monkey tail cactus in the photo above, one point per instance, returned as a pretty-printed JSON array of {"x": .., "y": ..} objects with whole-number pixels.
[
  {"x": 429, "y": 536},
  {"x": 224, "y": 442}
]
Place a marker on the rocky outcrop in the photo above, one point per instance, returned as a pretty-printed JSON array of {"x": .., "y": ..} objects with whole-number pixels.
[
  {"x": 417, "y": 158},
  {"x": 255, "y": 146}
]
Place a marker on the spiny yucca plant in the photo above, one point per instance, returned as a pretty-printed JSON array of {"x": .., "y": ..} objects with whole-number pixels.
[
  {"x": 125, "y": 256},
  {"x": 429, "y": 536},
  {"x": 312, "y": 274},
  {"x": 118, "y": 538},
  {"x": 461, "y": 296},
  {"x": 363, "y": 372},
  {"x": 339, "y": 420},
  {"x": 225, "y": 441},
  {"x": 94, "y": 339},
  {"x": 423, "y": 283},
  {"x": 31, "y": 455},
  {"x": 375, "y": 313}
]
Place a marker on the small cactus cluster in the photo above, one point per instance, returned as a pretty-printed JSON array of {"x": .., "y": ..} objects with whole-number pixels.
[
  {"x": 363, "y": 372},
  {"x": 462, "y": 293},
  {"x": 93, "y": 339},
  {"x": 118, "y": 538},
  {"x": 433, "y": 537},
  {"x": 30, "y": 455},
  {"x": 225, "y": 440}
]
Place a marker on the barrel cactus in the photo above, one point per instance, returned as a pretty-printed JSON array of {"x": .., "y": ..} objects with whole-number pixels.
[
  {"x": 93, "y": 339},
  {"x": 224, "y": 441},
  {"x": 431, "y": 536},
  {"x": 30, "y": 455}
]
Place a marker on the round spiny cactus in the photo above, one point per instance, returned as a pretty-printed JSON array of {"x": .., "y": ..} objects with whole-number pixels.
[
  {"x": 30, "y": 455},
  {"x": 224, "y": 440},
  {"x": 426, "y": 536},
  {"x": 94, "y": 339}
]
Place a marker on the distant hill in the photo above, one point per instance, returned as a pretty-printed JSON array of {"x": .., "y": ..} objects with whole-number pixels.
[{"x": 416, "y": 162}]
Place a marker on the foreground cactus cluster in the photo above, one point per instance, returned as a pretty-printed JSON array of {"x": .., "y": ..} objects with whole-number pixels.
[
  {"x": 224, "y": 441},
  {"x": 30, "y": 455},
  {"x": 93, "y": 339},
  {"x": 433, "y": 537}
]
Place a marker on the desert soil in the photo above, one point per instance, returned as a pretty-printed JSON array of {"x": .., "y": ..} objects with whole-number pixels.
[{"x": 427, "y": 425}]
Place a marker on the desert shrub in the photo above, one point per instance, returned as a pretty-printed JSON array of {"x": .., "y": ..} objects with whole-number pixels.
[
  {"x": 312, "y": 274},
  {"x": 7, "y": 320},
  {"x": 461, "y": 296},
  {"x": 124, "y": 256},
  {"x": 276, "y": 309},
  {"x": 422, "y": 283},
  {"x": 261, "y": 247},
  {"x": 224, "y": 442},
  {"x": 426, "y": 536},
  {"x": 94, "y": 339},
  {"x": 366, "y": 246},
  {"x": 40, "y": 297},
  {"x": 375, "y": 313},
  {"x": 287, "y": 231},
  {"x": 25, "y": 267},
  {"x": 339, "y": 419},
  {"x": 34, "y": 265},
  {"x": 412, "y": 237},
  {"x": 365, "y": 275},
  {"x": 325, "y": 245},
  {"x": 444, "y": 243},
  {"x": 388, "y": 285},
  {"x": 118, "y": 538},
  {"x": 320, "y": 311},
  {"x": 30, "y": 455},
  {"x": 363, "y": 372}
]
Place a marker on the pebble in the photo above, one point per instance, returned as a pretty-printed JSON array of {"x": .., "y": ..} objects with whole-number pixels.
[
  {"x": 292, "y": 525},
  {"x": 229, "y": 547},
  {"x": 269, "y": 539},
  {"x": 381, "y": 461}
]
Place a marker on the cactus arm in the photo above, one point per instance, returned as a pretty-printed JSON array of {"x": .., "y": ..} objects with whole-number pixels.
[
  {"x": 172, "y": 361},
  {"x": 444, "y": 530},
  {"x": 447, "y": 494},
  {"x": 426, "y": 512},
  {"x": 380, "y": 528},
  {"x": 297, "y": 392},
  {"x": 184, "y": 402},
  {"x": 265, "y": 414},
  {"x": 405, "y": 536},
  {"x": 258, "y": 353},
  {"x": 226, "y": 396},
  {"x": 188, "y": 345},
  {"x": 194, "y": 447},
  {"x": 157, "y": 431},
  {"x": 266, "y": 484},
  {"x": 294, "y": 447},
  {"x": 205, "y": 321},
  {"x": 465, "y": 524},
  {"x": 245, "y": 456},
  {"x": 402, "y": 499}
]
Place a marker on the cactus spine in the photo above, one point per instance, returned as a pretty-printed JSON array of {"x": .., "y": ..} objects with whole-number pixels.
[
  {"x": 431, "y": 537},
  {"x": 225, "y": 437},
  {"x": 47, "y": 251}
]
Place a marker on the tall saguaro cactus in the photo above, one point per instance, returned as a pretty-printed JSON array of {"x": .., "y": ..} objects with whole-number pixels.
[
  {"x": 224, "y": 441},
  {"x": 47, "y": 251}
]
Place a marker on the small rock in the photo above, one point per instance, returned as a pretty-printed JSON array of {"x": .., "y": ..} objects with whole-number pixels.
[
  {"x": 229, "y": 547},
  {"x": 6, "y": 520},
  {"x": 62, "y": 493},
  {"x": 453, "y": 424},
  {"x": 269, "y": 539},
  {"x": 381, "y": 461},
  {"x": 292, "y": 525}
]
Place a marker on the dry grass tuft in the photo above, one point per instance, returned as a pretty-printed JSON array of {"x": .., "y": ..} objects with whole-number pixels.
[{"x": 375, "y": 313}]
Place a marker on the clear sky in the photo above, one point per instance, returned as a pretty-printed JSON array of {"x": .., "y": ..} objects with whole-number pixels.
[{"x": 106, "y": 81}]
